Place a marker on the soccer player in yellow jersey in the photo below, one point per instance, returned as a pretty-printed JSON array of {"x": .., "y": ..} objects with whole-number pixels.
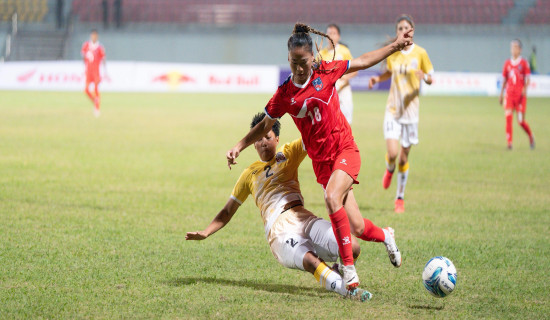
[
  {"x": 340, "y": 52},
  {"x": 407, "y": 68},
  {"x": 297, "y": 238}
]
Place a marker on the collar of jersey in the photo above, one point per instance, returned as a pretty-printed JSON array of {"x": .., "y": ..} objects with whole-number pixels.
[
  {"x": 305, "y": 83},
  {"x": 408, "y": 51},
  {"x": 516, "y": 61}
]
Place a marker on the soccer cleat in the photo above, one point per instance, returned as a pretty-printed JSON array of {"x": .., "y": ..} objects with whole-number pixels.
[
  {"x": 97, "y": 113},
  {"x": 532, "y": 143},
  {"x": 509, "y": 146},
  {"x": 399, "y": 206},
  {"x": 391, "y": 248},
  {"x": 358, "y": 294},
  {"x": 351, "y": 279},
  {"x": 386, "y": 180}
]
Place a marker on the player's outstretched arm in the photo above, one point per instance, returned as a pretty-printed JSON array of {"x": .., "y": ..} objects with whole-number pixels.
[
  {"x": 371, "y": 58},
  {"x": 259, "y": 130},
  {"x": 221, "y": 219},
  {"x": 383, "y": 77}
]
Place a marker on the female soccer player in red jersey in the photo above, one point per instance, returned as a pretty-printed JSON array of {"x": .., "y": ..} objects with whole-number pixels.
[
  {"x": 516, "y": 74},
  {"x": 94, "y": 54},
  {"x": 309, "y": 96}
]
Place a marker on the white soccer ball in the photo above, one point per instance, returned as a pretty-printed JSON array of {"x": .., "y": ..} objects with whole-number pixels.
[{"x": 439, "y": 277}]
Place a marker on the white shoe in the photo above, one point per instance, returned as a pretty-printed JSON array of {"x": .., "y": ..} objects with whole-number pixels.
[
  {"x": 97, "y": 113},
  {"x": 351, "y": 279},
  {"x": 391, "y": 248}
]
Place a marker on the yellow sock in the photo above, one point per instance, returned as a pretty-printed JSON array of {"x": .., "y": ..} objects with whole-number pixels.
[
  {"x": 329, "y": 279},
  {"x": 402, "y": 177}
]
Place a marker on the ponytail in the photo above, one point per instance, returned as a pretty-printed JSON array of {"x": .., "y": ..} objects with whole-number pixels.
[{"x": 300, "y": 38}]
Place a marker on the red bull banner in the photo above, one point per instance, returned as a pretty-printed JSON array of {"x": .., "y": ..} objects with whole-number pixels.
[{"x": 140, "y": 76}]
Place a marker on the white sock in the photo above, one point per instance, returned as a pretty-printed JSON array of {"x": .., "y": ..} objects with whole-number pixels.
[
  {"x": 401, "y": 183},
  {"x": 387, "y": 236}
]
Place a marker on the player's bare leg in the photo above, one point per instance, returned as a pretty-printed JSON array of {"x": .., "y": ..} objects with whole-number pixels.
[
  {"x": 523, "y": 123},
  {"x": 331, "y": 279},
  {"x": 392, "y": 147},
  {"x": 368, "y": 231},
  {"x": 337, "y": 188}
]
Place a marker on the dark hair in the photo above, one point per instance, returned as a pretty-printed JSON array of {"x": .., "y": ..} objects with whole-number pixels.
[
  {"x": 516, "y": 40},
  {"x": 335, "y": 26},
  {"x": 300, "y": 38},
  {"x": 405, "y": 17},
  {"x": 93, "y": 31},
  {"x": 259, "y": 117}
]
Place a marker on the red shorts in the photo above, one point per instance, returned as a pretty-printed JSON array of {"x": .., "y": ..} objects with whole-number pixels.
[
  {"x": 348, "y": 160},
  {"x": 516, "y": 102},
  {"x": 92, "y": 76}
]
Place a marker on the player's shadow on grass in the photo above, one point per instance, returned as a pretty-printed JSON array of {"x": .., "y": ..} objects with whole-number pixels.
[
  {"x": 425, "y": 307},
  {"x": 261, "y": 286}
]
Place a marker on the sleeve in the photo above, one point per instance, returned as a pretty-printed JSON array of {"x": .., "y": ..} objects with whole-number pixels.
[
  {"x": 526, "y": 69},
  {"x": 504, "y": 73},
  {"x": 296, "y": 150},
  {"x": 241, "y": 189},
  {"x": 102, "y": 52},
  {"x": 334, "y": 70},
  {"x": 426, "y": 65},
  {"x": 388, "y": 64},
  {"x": 276, "y": 107}
]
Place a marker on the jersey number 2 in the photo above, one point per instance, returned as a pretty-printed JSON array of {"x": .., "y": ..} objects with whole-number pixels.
[{"x": 317, "y": 116}]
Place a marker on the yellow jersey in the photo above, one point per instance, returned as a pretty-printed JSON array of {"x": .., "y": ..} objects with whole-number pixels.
[
  {"x": 342, "y": 53},
  {"x": 273, "y": 184},
  {"x": 403, "y": 101}
]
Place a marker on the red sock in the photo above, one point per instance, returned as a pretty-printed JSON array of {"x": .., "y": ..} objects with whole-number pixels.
[
  {"x": 372, "y": 232},
  {"x": 96, "y": 102},
  {"x": 509, "y": 128},
  {"x": 525, "y": 127},
  {"x": 89, "y": 94},
  {"x": 342, "y": 232}
]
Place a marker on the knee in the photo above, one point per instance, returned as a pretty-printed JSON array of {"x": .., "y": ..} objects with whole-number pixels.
[
  {"x": 403, "y": 160},
  {"x": 392, "y": 155},
  {"x": 333, "y": 200}
]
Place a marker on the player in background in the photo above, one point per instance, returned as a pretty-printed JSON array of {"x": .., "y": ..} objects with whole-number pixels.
[
  {"x": 339, "y": 51},
  {"x": 297, "y": 238},
  {"x": 407, "y": 69},
  {"x": 309, "y": 96},
  {"x": 516, "y": 74},
  {"x": 93, "y": 54}
]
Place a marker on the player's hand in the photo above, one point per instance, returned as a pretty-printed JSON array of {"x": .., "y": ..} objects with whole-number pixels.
[
  {"x": 372, "y": 82},
  {"x": 500, "y": 99},
  {"x": 231, "y": 155},
  {"x": 197, "y": 235},
  {"x": 404, "y": 40}
]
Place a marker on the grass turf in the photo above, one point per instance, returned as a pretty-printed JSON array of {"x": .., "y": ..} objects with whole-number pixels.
[{"x": 94, "y": 212}]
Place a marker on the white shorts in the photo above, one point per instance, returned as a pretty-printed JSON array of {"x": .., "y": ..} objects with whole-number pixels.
[
  {"x": 406, "y": 133},
  {"x": 298, "y": 231},
  {"x": 346, "y": 103}
]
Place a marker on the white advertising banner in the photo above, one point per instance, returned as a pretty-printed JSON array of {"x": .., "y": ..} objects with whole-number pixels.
[
  {"x": 486, "y": 84},
  {"x": 140, "y": 76}
]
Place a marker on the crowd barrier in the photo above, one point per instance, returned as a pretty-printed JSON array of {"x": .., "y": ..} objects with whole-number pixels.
[{"x": 177, "y": 77}]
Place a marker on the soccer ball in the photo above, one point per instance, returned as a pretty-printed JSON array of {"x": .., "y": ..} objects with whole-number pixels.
[{"x": 439, "y": 277}]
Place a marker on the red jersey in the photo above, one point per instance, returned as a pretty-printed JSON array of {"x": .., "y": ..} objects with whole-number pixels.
[
  {"x": 315, "y": 109},
  {"x": 93, "y": 54},
  {"x": 515, "y": 72}
]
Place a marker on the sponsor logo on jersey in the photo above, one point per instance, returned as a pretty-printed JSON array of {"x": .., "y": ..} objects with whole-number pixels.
[
  {"x": 343, "y": 162},
  {"x": 280, "y": 157},
  {"x": 414, "y": 63},
  {"x": 292, "y": 101},
  {"x": 317, "y": 84}
]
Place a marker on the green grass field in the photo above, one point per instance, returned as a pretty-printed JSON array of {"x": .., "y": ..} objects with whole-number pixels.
[{"x": 94, "y": 212}]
